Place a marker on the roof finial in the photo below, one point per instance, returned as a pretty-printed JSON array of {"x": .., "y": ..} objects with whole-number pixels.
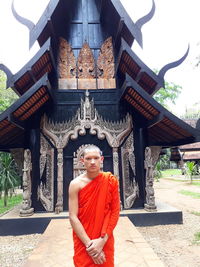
[
  {"x": 29, "y": 24},
  {"x": 174, "y": 64},
  {"x": 140, "y": 22}
]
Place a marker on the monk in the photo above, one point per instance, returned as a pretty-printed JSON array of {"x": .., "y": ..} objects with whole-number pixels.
[{"x": 93, "y": 211}]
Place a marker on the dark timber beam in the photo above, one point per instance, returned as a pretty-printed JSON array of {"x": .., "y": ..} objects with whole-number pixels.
[
  {"x": 119, "y": 30},
  {"x": 15, "y": 121},
  {"x": 158, "y": 118}
]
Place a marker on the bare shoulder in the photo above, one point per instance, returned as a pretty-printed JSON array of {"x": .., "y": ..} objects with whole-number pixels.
[{"x": 75, "y": 184}]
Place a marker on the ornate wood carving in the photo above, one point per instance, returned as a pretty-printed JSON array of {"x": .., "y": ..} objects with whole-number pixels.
[
  {"x": 86, "y": 64},
  {"x": 130, "y": 186},
  {"x": 105, "y": 62},
  {"x": 155, "y": 153},
  {"x": 45, "y": 190},
  {"x": 149, "y": 164},
  {"x": 59, "y": 203},
  {"x": 87, "y": 117},
  {"x": 67, "y": 60},
  {"x": 106, "y": 66},
  {"x": 116, "y": 161},
  {"x": 86, "y": 75},
  {"x": 26, "y": 209}
]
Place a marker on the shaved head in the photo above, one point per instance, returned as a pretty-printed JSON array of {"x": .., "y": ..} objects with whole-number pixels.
[{"x": 91, "y": 148}]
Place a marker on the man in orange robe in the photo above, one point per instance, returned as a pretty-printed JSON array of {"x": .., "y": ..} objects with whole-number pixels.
[{"x": 94, "y": 211}]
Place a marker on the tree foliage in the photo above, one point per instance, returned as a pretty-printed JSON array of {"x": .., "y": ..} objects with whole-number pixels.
[
  {"x": 9, "y": 178},
  {"x": 8, "y": 175},
  {"x": 7, "y": 96},
  {"x": 191, "y": 169},
  {"x": 169, "y": 94}
]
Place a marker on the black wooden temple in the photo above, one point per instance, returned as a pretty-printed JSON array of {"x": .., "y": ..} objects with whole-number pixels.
[{"x": 86, "y": 85}]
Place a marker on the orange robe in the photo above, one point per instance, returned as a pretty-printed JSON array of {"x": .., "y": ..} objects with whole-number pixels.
[{"x": 99, "y": 207}]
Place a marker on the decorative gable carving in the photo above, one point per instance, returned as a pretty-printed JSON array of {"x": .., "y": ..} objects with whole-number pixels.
[
  {"x": 66, "y": 66},
  {"x": 86, "y": 65},
  {"x": 67, "y": 60},
  {"x": 105, "y": 62},
  {"x": 85, "y": 73},
  {"x": 106, "y": 66},
  {"x": 86, "y": 68}
]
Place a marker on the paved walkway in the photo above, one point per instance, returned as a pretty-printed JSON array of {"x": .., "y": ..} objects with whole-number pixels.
[{"x": 56, "y": 250}]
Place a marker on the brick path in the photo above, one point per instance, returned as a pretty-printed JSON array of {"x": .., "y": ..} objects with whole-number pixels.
[{"x": 56, "y": 248}]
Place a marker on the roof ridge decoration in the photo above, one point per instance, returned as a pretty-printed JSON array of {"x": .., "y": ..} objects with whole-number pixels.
[
  {"x": 28, "y": 23},
  {"x": 140, "y": 22},
  {"x": 174, "y": 64}
]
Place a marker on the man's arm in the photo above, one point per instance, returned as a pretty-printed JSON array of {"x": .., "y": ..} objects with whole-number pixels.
[
  {"x": 111, "y": 219},
  {"x": 73, "y": 214}
]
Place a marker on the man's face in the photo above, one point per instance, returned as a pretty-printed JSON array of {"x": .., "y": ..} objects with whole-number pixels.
[{"x": 92, "y": 161}]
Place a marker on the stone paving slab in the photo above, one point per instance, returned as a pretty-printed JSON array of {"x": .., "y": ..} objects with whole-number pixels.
[{"x": 56, "y": 247}]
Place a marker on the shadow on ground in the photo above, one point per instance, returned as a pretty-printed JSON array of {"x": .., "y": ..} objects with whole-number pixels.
[{"x": 23, "y": 226}]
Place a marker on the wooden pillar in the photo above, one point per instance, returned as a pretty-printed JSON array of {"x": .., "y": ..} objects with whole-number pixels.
[
  {"x": 139, "y": 164},
  {"x": 34, "y": 139}
]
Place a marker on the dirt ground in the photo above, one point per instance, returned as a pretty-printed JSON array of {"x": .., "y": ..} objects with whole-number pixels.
[{"x": 174, "y": 243}]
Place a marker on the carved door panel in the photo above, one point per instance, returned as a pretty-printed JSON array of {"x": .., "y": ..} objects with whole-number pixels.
[
  {"x": 70, "y": 160},
  {"x": 45, "y": 189},
  {"x": 129, "y": 185}
]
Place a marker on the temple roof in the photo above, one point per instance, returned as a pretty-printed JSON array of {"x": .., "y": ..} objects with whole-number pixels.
[
  {"x": 163, "y": 128},
  {"x": 193, "y": 146},
  {"x": 13, "y": 121},
  {"x": 191, "y": 155},
  {"x": 130, "y": 63},
  {"x": 140, "y": 82},
  {"x": 39, "y": 65},
  {"x": 57, "y": 10}
]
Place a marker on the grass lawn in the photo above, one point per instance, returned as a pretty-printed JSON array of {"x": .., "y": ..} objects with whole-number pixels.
[
  {"x": 189, "y": 193},
  {"x": 197, "y": 238},
  {"x": 176, "y": 173},
  {"x": 196, "y": 213},
  {"x": 196, "y": 183},
  {"x": 171, "y": 172},
  {"x": 11, "y": 203}
]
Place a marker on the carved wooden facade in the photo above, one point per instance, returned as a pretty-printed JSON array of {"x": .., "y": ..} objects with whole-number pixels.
[
  {"x": 85, "y": 72},
  {"x": 86, "y": 85}
]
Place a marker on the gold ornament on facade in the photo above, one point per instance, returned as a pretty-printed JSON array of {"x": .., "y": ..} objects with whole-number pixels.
[
  {"x": 67, "y": 60},
  {"x": 86, "y": 64},
  {"x": 105, "y": 62},
  {"x": 106, "y": 66},
  {"x": 85, "y": 73}
]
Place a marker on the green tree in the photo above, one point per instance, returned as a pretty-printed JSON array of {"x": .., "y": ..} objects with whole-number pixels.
[
  {"x": 168, "y": 95},
  {"x": 191, "y": 169},
  {"x": 7, "y": 96},
  {"x": 157, "y": 171},
  {"x": 9, "y": 178}
]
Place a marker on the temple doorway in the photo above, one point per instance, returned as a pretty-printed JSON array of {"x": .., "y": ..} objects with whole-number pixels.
[{"x": 71, "y": 160}]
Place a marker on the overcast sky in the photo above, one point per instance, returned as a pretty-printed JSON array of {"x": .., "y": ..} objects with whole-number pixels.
[{"x": 165, "y": 39}]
